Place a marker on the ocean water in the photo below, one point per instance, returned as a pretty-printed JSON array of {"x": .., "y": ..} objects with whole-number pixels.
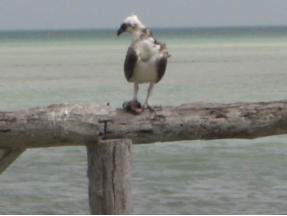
[{"x": 232, "y": 176}]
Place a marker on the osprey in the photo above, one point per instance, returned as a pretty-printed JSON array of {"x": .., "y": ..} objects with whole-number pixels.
[{"x": 146, "y": 58}]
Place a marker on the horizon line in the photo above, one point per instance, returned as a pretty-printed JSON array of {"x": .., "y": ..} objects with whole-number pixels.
[{"x": 152, "y": 27}]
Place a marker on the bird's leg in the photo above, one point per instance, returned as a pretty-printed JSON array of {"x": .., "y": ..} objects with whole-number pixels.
[
  {"x": 136, "y": 89},
  {"x": 133, "y": 105},
  {"x": 146, "y": 105}
]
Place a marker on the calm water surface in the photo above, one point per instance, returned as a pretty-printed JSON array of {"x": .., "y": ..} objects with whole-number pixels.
[{"x": 191, "y": 177}]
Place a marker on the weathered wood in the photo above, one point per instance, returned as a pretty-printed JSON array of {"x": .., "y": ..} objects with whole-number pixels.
[
  {"x": 8, "y": 156},
  {"x": 59, "y": 125},
  {"x": 109, "y": 173}
]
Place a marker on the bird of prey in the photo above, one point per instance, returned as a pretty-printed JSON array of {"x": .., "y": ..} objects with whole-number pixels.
[{"x": 146, "y": 58}]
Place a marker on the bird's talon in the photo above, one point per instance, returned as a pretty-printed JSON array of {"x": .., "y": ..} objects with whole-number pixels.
[
  {"x": 150, "y": 108},
  {"x": 133, "y": 106},
  {"x": 146, "y": 106},
  {"x": 158, "y": 108}
]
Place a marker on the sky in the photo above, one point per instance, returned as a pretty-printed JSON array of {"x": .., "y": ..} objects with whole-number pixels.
[{"x": 92, "y": 14}]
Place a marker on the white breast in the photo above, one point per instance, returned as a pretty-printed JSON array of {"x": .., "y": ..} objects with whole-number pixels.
[{"x": 146, "y": 69}]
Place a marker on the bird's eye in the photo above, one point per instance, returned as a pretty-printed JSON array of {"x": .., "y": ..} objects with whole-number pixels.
[{"x": 133, "y": 25}]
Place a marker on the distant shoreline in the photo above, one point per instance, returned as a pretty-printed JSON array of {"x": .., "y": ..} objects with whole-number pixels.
[{"x": 153, "y": 28}]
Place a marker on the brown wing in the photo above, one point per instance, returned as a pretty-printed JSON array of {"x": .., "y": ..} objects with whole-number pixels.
[
  {"x": 130, "y": 63},
  {"x": 161, "y": 67}
]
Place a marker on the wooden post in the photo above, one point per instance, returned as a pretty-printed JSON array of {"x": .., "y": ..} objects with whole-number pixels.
[{"x": 109, "y": 173}]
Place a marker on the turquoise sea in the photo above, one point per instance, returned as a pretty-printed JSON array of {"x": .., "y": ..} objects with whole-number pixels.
[{"x": 231, "y": 64}]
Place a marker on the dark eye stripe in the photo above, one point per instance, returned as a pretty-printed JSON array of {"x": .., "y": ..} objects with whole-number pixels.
[{"x": 131, "y": 25}]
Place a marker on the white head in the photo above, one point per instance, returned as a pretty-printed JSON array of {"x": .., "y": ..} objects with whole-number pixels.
[{"x": 131, "y": 24}]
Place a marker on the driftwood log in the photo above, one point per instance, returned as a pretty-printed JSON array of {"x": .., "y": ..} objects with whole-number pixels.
[
  {"x": 60, "y": 125},
  {"x": 108, "y": 134}
]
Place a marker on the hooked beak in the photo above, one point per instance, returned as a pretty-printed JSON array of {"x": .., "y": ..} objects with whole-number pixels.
[{"x": 122, "y": 29}]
